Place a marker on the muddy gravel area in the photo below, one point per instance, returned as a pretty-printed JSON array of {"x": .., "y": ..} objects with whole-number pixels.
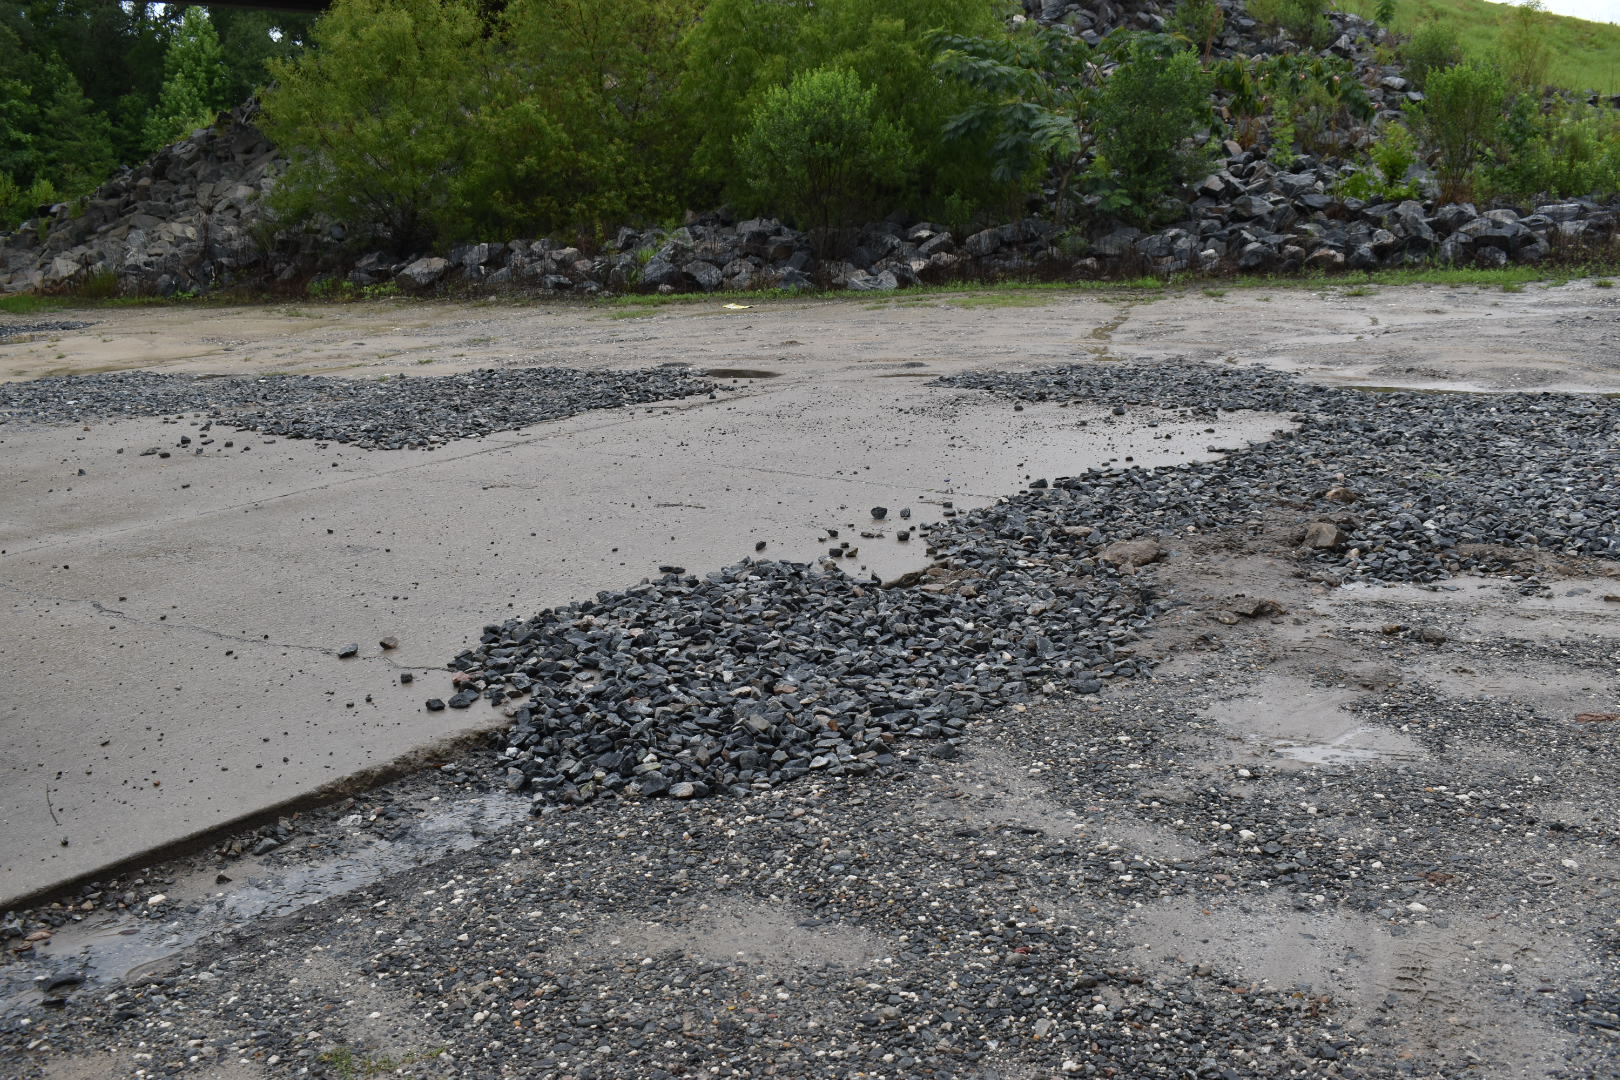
[{"x": 1294, "y": 760}]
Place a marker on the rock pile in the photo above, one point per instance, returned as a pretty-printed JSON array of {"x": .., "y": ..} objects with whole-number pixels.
[
  {"x": 391, "y": 413},
  {"x": 186, "y": 220},
  {"x": 768, "y": 671}
]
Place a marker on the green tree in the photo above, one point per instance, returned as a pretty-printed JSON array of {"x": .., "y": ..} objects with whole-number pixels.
[
  {"x": 384, "y": 119},
  {"x": 71, "y": 145},
  {"x": 611, "y": 84},
  {"x": 1460, "y": 121},
  {"x": 1526, "y": 55},
  {"x": 250, "y": 39},
  {"x": 818, "y": 148},
  {"x": 1031, "y": 107},
  {"x": 195, "y": 80},
  {"x": 1146, "y": 116},
  {"x": 743, "y": 49}
]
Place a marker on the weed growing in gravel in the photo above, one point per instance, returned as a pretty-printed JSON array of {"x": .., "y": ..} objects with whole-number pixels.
[
  {"x": 348, "y": 1065},
  {"x": 1603, "y": 283},
  {"x": 1360, "y": 290}
]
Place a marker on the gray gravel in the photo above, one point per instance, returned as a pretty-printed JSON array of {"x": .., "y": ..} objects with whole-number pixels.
[
  {"x": 388, "y": 413},
  {"x": 15, "y": 331},
  {"x": 1090, "y": 890},
  {"x": 768, "y": 671},
  {"x": 1110, "y": 884}
]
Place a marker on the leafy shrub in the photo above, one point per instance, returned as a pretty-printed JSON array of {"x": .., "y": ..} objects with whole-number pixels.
[
  {"x": 1433, "y": 46},
  {"x": 1562, "y": 154},
  {"x": 1197, "y": 22},
  {"x": 1304, "y": 21},
  {"x": 1246, "y": 100},
  {"x": 1383, "y": 176},
  {"x": 1523, "y": 49},
  {"x": 18, "y": 203},
  {"x": 1145, "y": 118},
  {"x": 1313, "y": 101},
  {"x": 1030, "y": 113},
  {"x": 815, "y": 148},
  {"x": 1460, "y": 121},
  {"x": 1329, "y": 103}
]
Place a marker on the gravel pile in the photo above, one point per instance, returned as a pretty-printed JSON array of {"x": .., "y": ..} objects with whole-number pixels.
[
  {"x": 390, "y": 413},
  {"x": 767, "y": 671},
  {"x": 1417, "y": 484},
  {"x": 11, "y": 331}
]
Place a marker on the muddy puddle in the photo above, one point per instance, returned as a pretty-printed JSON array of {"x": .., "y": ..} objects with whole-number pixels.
[
  {"x": 1289, "y": 720},
  {"x": 108, "y": 948},
  {"x": 1579, "y": 607},
  {"x": 741, "y": 373},
  {"x": 1412, "y": 988}
]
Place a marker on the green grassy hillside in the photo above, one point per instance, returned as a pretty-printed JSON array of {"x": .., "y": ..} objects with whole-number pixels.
[{"x": 1586, "y": 55}]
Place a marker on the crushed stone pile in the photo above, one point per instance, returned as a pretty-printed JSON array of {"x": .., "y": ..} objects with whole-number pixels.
[{"x": 768, "y": 671}]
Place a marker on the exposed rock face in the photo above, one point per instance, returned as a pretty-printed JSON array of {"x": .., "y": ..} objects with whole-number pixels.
[
  {"x": 193, "y": 219},
  {"x": 185, "y": 220}
]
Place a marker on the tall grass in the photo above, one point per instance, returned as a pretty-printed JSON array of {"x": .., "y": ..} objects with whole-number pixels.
[{"x": 1586, "y": 55}]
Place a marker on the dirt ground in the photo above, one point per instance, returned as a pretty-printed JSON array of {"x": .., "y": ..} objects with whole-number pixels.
[{"x": 1448, "y": 751}]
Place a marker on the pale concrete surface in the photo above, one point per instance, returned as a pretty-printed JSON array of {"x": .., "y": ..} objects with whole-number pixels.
[{"x": 170, "y": 626}]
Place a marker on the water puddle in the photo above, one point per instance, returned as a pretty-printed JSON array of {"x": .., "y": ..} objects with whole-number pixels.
[
  {"x": 740, "y": 373},
  {"x": 1289, "y": 719},
  {"x": 117, "y": 947}
]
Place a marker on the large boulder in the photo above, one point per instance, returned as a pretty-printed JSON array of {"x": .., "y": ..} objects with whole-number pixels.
[{"x": 423, "y": 273}]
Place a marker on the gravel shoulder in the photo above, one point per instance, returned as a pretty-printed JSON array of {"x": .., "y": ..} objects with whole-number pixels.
[{"x": 1304, "y": 824}]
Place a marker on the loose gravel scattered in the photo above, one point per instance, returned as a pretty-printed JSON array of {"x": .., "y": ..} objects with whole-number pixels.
[
  {"x": 15, "y": 331},
  {"x": 389, "y": 413},
  {"x": 769, "y": 671},
  {"x": 1102, "y": 890},
  {"x": 1114, "y": 885}
]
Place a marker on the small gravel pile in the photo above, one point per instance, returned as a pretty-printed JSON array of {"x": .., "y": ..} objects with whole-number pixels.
[
  {"x": 767, "y": 671},
  {"x": 389, "y": 413},
  {"x": 10, "y": 332}
]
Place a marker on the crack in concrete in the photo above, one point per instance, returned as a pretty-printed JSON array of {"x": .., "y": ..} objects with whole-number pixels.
[{"x": 164, "y": 624}]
